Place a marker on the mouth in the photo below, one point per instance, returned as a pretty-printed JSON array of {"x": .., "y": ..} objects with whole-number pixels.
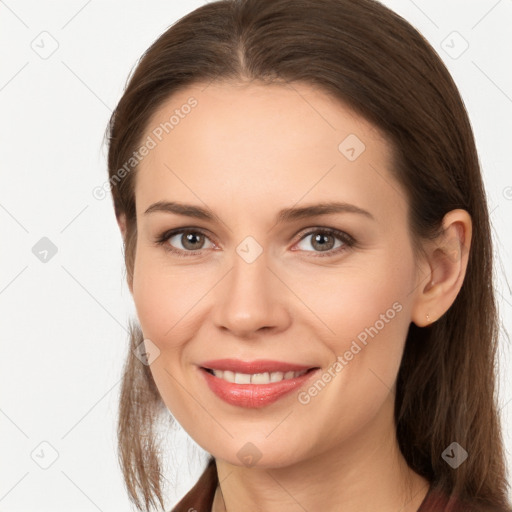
[
  {"x": 256, "y": 378},
  {"x": 254, "y": 384}
]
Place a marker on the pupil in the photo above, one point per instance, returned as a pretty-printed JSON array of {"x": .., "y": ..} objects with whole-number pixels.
[
  {"x": 322, "y": 245},
  {"x": 191, "y": 240}
]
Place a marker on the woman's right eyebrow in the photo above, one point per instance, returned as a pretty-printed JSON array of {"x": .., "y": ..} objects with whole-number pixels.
[
  {"x": 284, "y": 215},
  {"x": 187, "y": 210}
]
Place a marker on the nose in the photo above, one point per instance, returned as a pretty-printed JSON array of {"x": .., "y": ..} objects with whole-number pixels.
[{"x": 251, "y": 300}]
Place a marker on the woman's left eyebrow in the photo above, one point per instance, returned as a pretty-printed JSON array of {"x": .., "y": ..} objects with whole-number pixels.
[
  {"x": 285, "y": 215},
  {"x": 295, "y": 213}
]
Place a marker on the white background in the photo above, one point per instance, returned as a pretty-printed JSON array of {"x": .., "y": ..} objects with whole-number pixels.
[{"x": 64, "y": 321}]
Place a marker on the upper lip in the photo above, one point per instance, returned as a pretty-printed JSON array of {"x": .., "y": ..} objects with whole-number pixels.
[{"x": 251, "y": 367}]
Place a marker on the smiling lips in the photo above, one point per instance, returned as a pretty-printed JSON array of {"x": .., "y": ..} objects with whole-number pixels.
[{"x": 253, "y": 384}]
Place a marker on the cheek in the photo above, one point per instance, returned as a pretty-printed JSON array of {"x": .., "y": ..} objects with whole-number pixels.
[
  {"x": 164, "y": 298},
  {"x": 152, "y": 303},
  {"x": 349, "y": 302},
  {"x": 165, "y": 313},
  {"x": 365, "y": 313},
  {"x": 370, "y": 319}
]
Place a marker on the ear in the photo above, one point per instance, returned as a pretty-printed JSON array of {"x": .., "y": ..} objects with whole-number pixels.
[
  {"x": 444, "y": 268},
  {"x": 121, "y": 221}
]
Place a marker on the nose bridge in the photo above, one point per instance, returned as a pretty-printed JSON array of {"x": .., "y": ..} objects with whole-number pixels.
[{"x": 249, "y": 299}]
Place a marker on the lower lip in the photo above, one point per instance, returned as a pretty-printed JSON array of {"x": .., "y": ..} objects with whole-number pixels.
[{"x": 253, "y": 395}]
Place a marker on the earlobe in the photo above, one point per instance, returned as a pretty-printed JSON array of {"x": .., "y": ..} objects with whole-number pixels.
[{"x": 447, "y": 259}]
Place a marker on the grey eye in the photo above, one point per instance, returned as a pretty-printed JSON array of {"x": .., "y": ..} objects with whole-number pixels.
[
  {"x": 189, "y": 240},
  {"x": 321, "y": 241}
]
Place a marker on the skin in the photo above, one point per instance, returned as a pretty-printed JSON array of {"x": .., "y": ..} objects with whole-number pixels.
[{"x": 245, "y": 152}]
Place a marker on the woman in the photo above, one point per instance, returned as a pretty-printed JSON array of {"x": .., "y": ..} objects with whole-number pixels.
[{"x": 307, "y": 244}]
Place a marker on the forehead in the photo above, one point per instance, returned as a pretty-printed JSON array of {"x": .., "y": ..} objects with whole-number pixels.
[{"x": 253, "y": 145}]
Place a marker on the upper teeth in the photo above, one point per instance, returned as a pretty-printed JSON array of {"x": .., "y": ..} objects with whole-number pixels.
[{"x": 256, "y": 378}]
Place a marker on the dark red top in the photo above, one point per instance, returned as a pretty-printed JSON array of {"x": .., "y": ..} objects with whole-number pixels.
[{"x": 200, "y": 497}]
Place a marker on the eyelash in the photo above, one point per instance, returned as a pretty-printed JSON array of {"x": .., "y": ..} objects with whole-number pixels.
[{"x": 348, "y": 241}]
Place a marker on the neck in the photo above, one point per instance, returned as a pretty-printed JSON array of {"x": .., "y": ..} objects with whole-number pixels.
[{"x": 365, "y": 472}]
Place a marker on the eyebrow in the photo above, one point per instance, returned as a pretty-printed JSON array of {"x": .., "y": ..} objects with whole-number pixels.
[{"x": 285, "y": 215}]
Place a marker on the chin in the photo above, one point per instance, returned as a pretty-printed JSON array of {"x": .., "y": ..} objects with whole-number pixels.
[{"x": 258, "y": 452}]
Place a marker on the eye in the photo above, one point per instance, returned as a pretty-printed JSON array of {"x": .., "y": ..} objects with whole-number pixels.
[
  {"x": 189, "y": 239},
  {"x": 327, "y": 240}
]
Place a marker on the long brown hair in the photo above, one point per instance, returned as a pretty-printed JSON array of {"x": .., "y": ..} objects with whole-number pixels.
[{"x": 371, "y": 59}]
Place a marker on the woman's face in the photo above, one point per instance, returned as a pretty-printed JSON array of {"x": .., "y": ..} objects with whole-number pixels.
[{"x": 264, "y": 278}]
